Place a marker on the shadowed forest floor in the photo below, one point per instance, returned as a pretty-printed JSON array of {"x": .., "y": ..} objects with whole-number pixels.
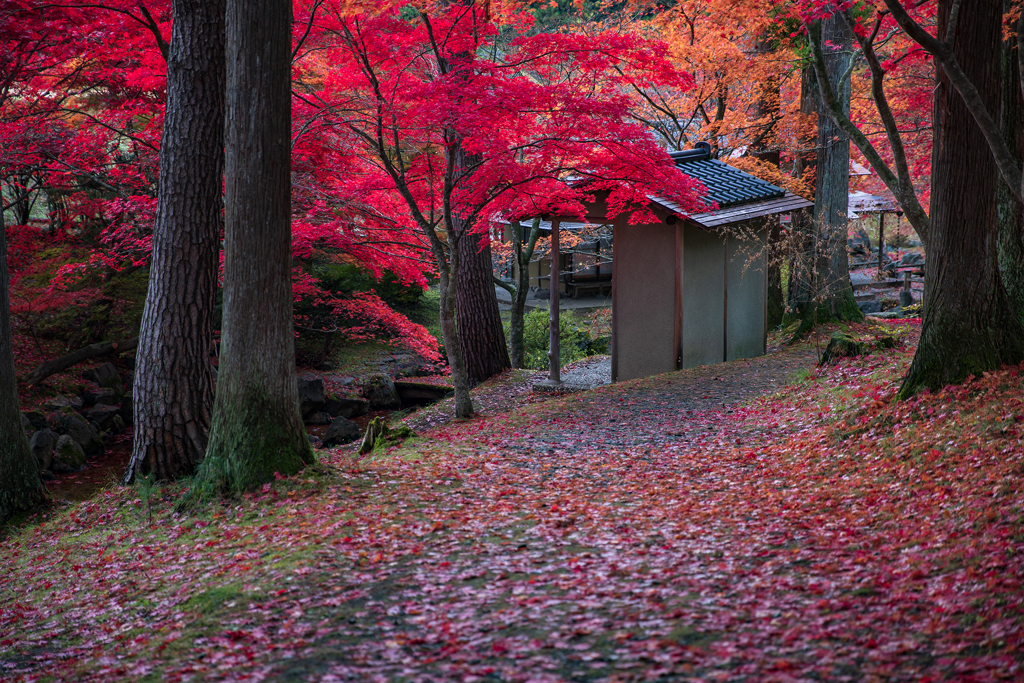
[{"x": 711, "y": 524}]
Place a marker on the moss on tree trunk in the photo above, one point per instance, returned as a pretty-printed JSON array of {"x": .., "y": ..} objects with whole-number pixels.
[
  {"x": 256, "y": 429},
  {"x": 254, "y": 437}
]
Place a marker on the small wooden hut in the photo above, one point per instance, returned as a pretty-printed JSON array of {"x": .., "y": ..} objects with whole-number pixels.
[{"x": 690, "y": 291}]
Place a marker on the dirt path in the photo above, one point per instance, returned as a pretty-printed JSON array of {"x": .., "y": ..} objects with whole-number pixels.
[
  {"x": 702, "y": 388},
  {"x": 559, "y": 547}
]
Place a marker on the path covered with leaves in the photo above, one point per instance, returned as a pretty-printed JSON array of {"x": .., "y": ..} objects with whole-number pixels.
[{"x": 688, "y": 526}]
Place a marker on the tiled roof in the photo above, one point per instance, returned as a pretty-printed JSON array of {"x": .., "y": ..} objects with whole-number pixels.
[{"x": 726, "y": 185}]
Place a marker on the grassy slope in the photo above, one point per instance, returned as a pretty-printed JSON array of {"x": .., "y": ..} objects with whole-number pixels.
[{"x": 641, "y": 529}]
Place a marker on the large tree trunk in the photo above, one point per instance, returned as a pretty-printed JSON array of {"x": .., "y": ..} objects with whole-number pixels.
[
  {"x": 766, "y": 148},
  {"x": 20, "y": 486},
  {"x": 173, "y": 393},
  {"x": 969, "y": 326},
  {"x": 481, "y": 334},
  {"x": 1010, "y": 211},
  {"x": 801, "y": 234},
  {"x": 257, "y": 430},
  {"x": 830, "y": 296}
]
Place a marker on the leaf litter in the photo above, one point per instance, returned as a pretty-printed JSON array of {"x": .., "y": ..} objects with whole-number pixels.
[{"x": 697, "y": 525}]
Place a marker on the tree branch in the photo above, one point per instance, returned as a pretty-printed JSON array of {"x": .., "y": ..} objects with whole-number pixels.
[
  {"x": 899, "y": 183},
  {"x": 943, "y": 54}
]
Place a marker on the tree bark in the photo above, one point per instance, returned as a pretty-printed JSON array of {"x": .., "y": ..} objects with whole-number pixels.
[
  {"x": 21, "y": 489},
  {"x": 173, "y": 391},
  {"x": 1010, "y": 211},
  {"x": 801, "y": 233},
  {"x": 455, "y": 160},
  {"x": 257, "y": 431},
  {"x": 968, "y": 326},
  {"x": 830, "y": 296},
  {"x": 481, "y": 333},
  {"x": 766, "y": 148},
  {"x": 523, "y": 254}
]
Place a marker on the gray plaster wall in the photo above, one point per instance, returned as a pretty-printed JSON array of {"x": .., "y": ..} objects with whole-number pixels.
[
  {"x": 645, "y": 262},
  {"x": 703, "y": 284},
  {"x": 745, "y": 323}
]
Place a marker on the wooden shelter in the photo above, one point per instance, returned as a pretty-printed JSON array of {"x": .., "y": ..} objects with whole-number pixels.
[{"x": 689, "y": 291}]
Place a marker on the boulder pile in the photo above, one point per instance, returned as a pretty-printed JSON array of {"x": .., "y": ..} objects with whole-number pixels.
[{"x": 70, "y": 429}]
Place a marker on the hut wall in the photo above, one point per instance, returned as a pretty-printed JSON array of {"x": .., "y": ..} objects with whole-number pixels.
[
  {"x": 703, "y": 283},
  {"x": 745, "y": 294},
  {"x": 645, "y": 260}
]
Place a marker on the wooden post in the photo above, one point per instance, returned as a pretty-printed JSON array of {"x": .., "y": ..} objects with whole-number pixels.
[
  {"x": 881, "y": 241},
  {"x": 554, "y": 360}
]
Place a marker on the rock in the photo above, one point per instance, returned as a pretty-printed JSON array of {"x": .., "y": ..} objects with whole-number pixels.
[
  {"x": 410, "y": 365},
  {"x": 842, "y": 346},
  {"x": 912, "y": 258},
  {"x": 311, "y": 396},
  {"x": 327, "y": 366},
  {"x": 346, "y": 407},
  {"x": 42, "y": 444},
  {"x": 127, "y": 410},
  {"x": 340, "y": 432},
  {"x": 58, "y": 402},
  {"x": 68, "y": 455},
  {"x": 542, "y": 294},
  {"x": 36, "y": 419},
  {"x": 869, "y": 306},
  {"x": 102, "y": 415},
  {"x": 25, "y": 423},
  {"x": 116, "y": 425},
  {"x": 105, "y": 397},
  {"x": 380, "y": 391},
  {"x": 84, "y": 433},
  {"x": 107, "y": 376},
  {"x": 906, "y": 299},
  {"x": 318, "y": 418}
]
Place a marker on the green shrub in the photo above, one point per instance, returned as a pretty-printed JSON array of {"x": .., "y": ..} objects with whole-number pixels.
[{"x": 574, "y": 344}]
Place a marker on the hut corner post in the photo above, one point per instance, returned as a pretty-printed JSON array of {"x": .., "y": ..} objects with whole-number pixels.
[
  {"x": 881, "y": 243},
  {"x": 554, "y": 359}
]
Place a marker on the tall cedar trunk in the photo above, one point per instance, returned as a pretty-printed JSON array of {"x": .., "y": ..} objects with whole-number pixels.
[
  {"x": 173, "y": 393},
  {"x": 1010, "y": 212},
  {"x": 969, "y": 326},
  {"x": 257, "y": 430},
  {"x": 801, "y": 237},
  {"x": 766, "y": 148},
  {"x": 832, "y": 293},
  {"x": 20, "y": 486},
  {"x": 481, "y": 333}
]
